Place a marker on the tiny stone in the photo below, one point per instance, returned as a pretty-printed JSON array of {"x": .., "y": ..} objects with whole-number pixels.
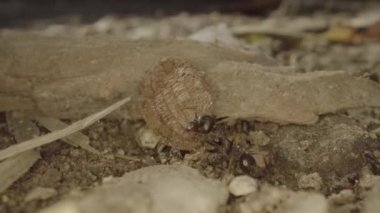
[
  {"x": 40, "y": 193},
  {"x": 242, "y": 185},
  {"x": 368, "y": 181},
  {"x": 311, "y": 181},
  {"x": 107, "y": 179},
  {"x": 4, "y": 199},
  {"x": 371, "y": 201},
  {"x": 376, "y": 153},
  {"x": 260, "y": 138},
  {"x": 268, "y": 199},
  {"x": 306, "y": 202},
  {"x": 106, "y": 151},
  {"x": 94, "y": 135},
  {"x": 163, "y": 159},
  {"x": 343, "y": 197},
  {"x": 120, "y": 152},
  {"x": 93, "y": 177},
  {"x": 109, "y": 156},
  {"x": 63, "y": 207},
  {"x": 66, "y": 167},
  {"x": 147, "y": 139}
]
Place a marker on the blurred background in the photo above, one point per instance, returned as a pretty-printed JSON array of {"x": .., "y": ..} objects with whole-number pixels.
[
  {"x": 20, "y": 11},
  {"x": 311, "y": 34}
]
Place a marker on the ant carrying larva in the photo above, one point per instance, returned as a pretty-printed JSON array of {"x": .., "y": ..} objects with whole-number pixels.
[{"x": 217, "y": 131}]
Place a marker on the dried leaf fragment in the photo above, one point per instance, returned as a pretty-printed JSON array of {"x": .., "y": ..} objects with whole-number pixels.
[
  {"x": 14, "y": 168},
  {"x": 172, "y": 93}
]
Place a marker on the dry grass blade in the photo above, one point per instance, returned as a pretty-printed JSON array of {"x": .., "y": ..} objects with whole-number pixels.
[
  {"x": 22, "y": 128},
  {"x": 76, "y": 139},
  {"x": 13, "y": 168},
  {"x": 77, "y": 126}
]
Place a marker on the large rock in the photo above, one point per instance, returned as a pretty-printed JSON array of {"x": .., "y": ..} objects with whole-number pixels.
[
  {"x": 332, "y": 150},
  {"x": 156, "y": 189},
  {"x": 275, "y": 200}
]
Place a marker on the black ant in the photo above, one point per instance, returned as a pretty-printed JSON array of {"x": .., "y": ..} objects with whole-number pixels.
[
  {"x": 216, "y": 137},
  {"x": 203, "y": 123},
  {"x": 207, "y": 123}
]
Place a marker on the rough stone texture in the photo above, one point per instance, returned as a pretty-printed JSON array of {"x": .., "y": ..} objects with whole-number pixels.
[
  {"x": 372, "y": 200},
  {"x": 275, "y": 200},
  {"x": 333, "y": 148},
  {"x": 306, "y": 202},
  {"x": 242, "y": 185},
  {"x": 343, "y": 197},
  {"x": 310, "y": 181},
  {"x": 156, "y": 189}
]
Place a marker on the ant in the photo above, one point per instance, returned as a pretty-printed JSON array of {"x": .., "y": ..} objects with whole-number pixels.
[
  {"x": 217, "y": 137},
  {"x": 237, "y": 157},
  {"x": 204, "y": 123},
  {"x": 207, "y": 123}
]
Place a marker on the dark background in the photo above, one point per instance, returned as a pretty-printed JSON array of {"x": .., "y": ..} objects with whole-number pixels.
[{"x": 16, "y": 11}]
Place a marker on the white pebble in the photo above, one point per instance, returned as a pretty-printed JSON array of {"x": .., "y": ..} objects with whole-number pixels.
[
  {"x": 147, "y": 139},
  {"x": 242, "y": 185},
  {"x": 40, "y": 193}
]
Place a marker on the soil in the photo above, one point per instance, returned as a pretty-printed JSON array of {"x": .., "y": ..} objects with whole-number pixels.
[{"x": 320, "y": 157}]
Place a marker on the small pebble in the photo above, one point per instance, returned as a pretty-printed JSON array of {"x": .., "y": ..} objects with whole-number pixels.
[
  {"x": 109, "y": 156},
  {"x": 104, "y": 25},
  {"x": 260, "y": 138},
  {"x": 343, "y": 197},
  {"x": 120, "y": 152},
  {"x": 311, "y": 181},
  {"x": 306, "y": 202},
  {"x": 94, "y": 135},
  {"x": 147, "y": 139},
  {"x": 66, "y": 166},
  {"x": 371, "y": 201},
  {"x": 242, "y": 185},
  {"x": 40, "y": 193},
  {"x": 4, "y": 199}
]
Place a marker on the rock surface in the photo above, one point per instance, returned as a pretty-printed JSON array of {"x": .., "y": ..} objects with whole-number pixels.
[
  {"x": 333, "y": 149},
  {"x": 242, "y": 185},
  {"x": 275, "y": 200},
  {"x": 372, "y": 201},
  {"x": 156, "y": 189}
]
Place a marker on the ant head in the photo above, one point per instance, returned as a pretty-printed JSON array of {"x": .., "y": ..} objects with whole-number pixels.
[{"x": 191, "y": 126}]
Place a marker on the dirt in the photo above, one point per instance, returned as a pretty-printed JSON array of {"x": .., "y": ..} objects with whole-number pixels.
[{"x": 321, "y": 157}]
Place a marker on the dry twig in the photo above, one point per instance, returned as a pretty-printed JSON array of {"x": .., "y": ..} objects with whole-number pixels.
[{"x": 75, "y": 127}]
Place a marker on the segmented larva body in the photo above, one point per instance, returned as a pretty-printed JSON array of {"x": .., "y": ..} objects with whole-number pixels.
[{"x": 172, "y": 93}]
